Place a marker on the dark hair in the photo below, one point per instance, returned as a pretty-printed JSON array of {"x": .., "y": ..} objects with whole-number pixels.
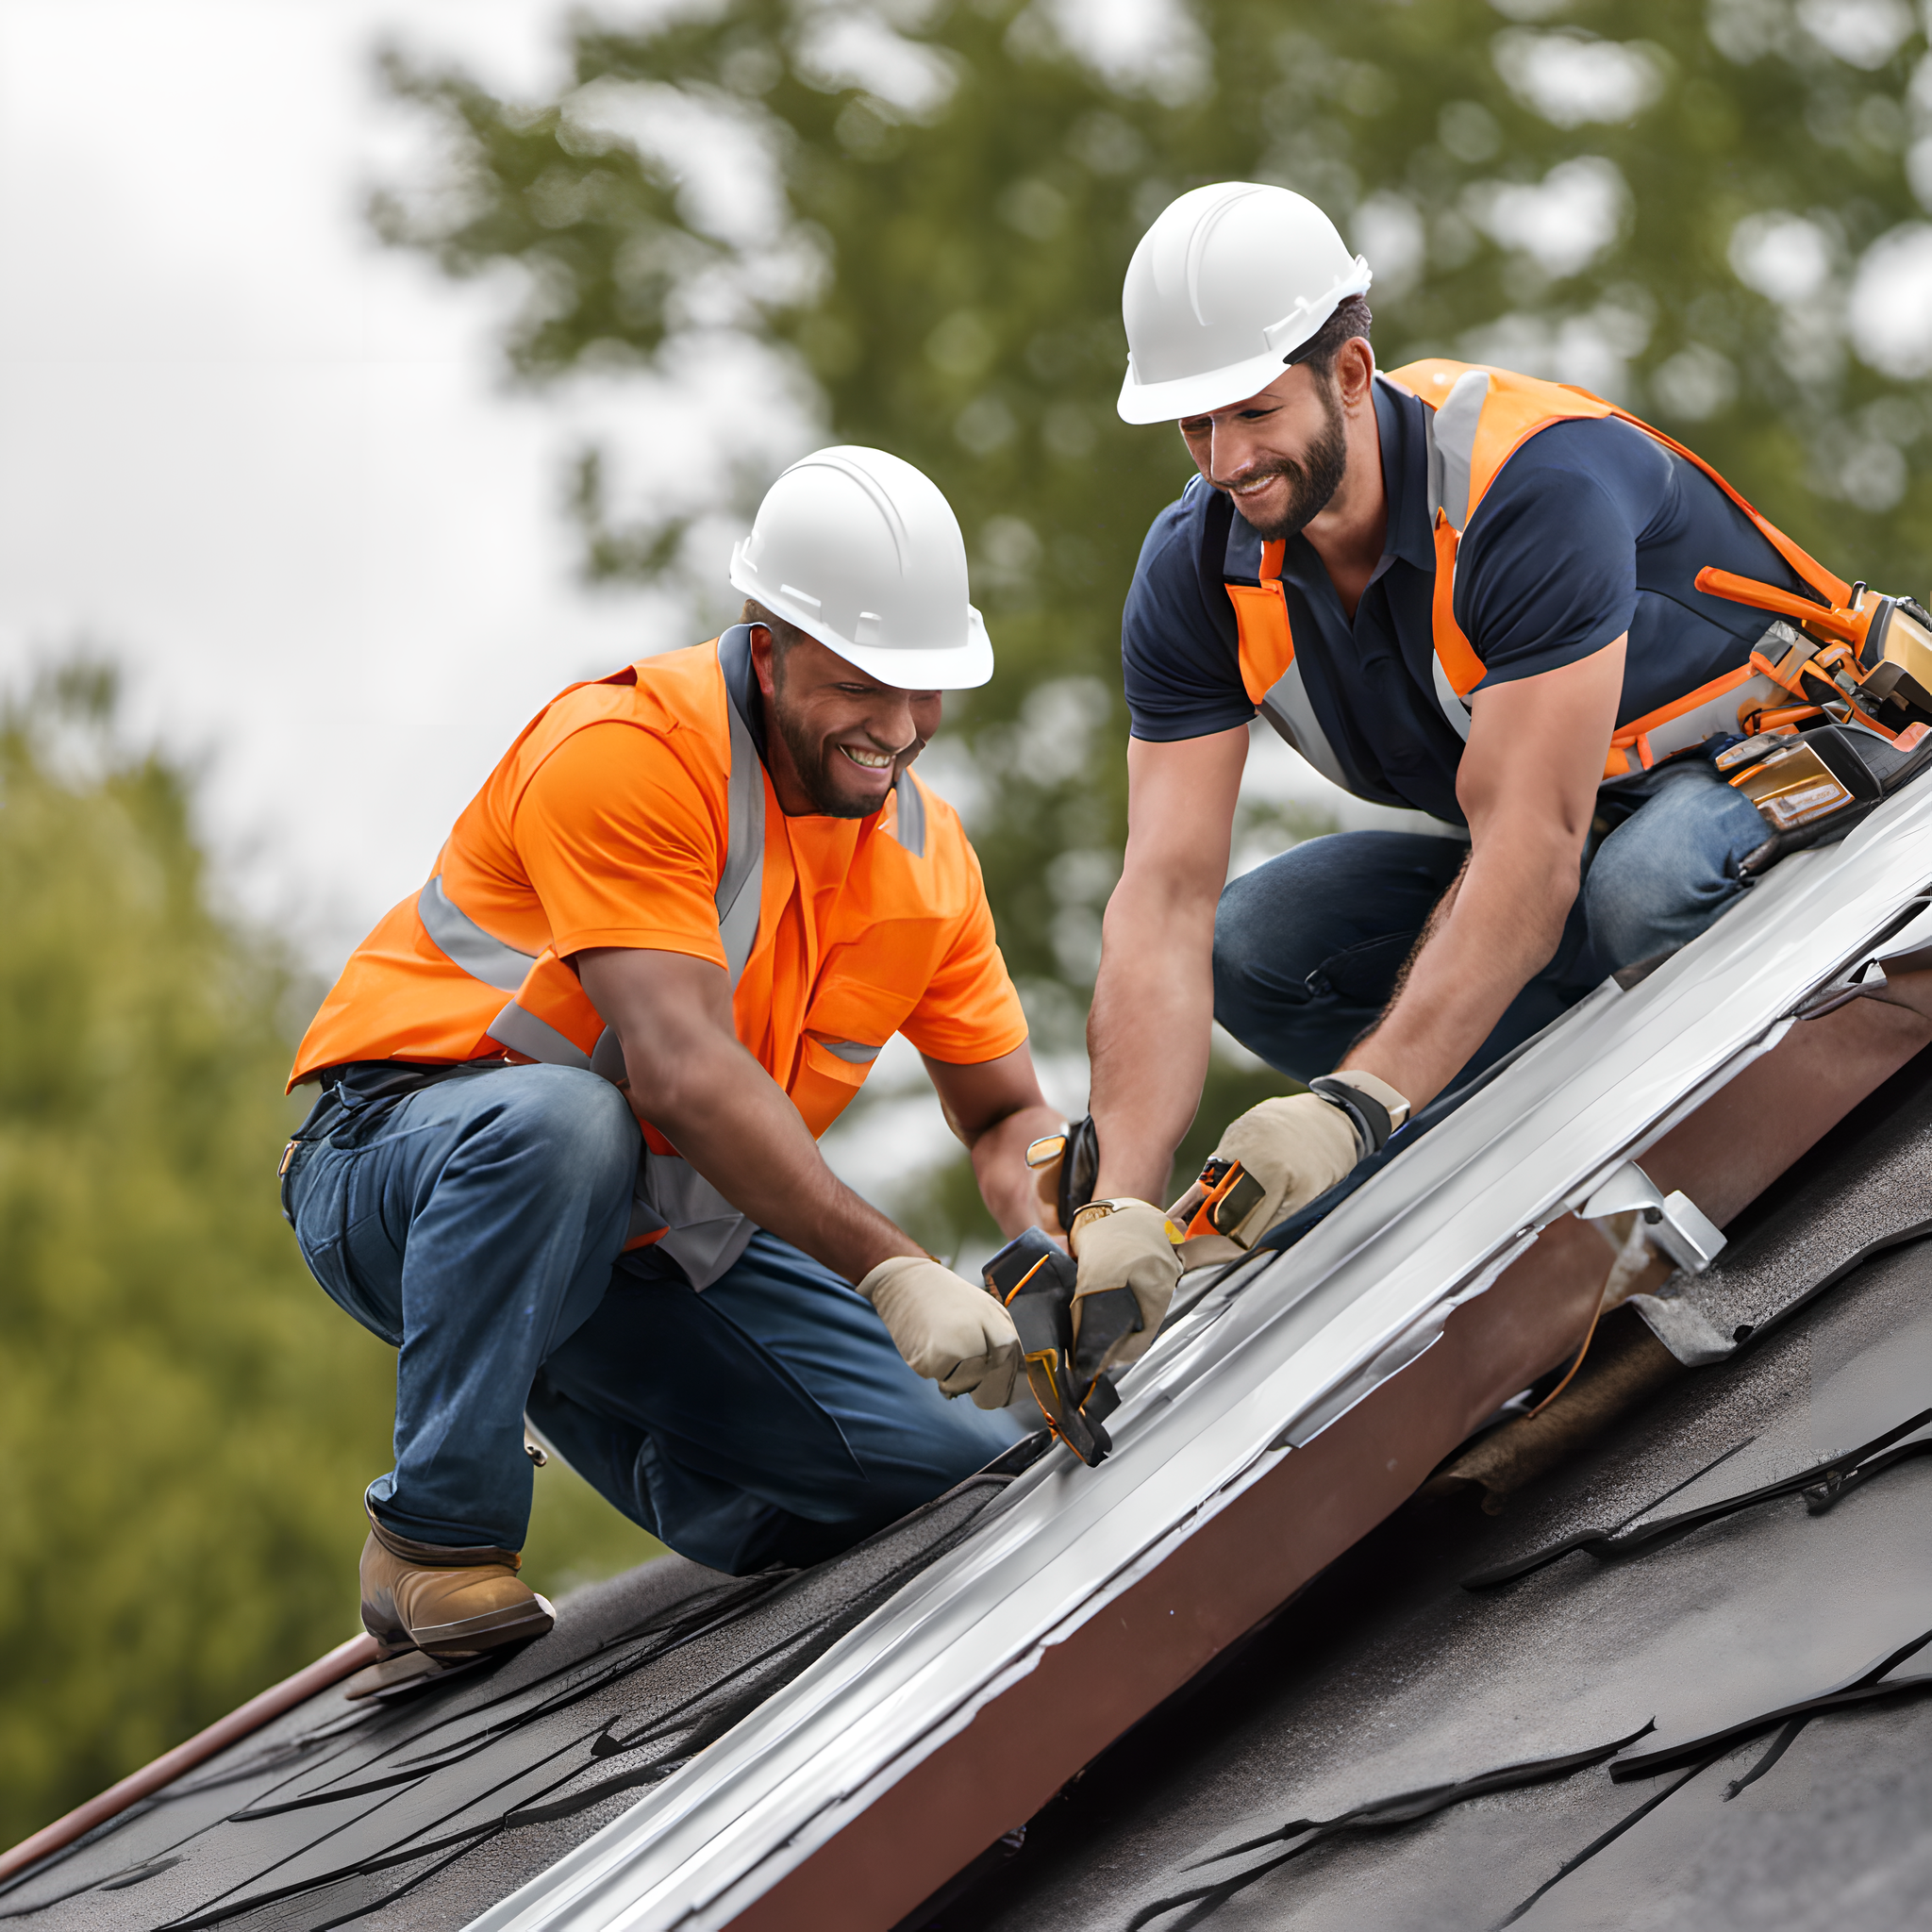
[
  {"x": 783, "y": 635},
  {"x": 1350, "y": 319}
]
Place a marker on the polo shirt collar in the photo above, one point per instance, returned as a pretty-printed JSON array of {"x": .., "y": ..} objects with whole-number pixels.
[{"x": 741, "y": 683}]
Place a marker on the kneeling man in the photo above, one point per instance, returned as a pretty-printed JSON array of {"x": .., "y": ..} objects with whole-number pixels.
[{"x": 564, "y": 1156}]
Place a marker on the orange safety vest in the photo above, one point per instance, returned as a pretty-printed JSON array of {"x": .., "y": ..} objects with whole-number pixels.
[
  {"x": 435, "y": 983},
  {"x": 1477, "y": 418}
]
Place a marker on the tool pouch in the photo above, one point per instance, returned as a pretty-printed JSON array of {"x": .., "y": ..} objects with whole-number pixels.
[
  {"x": 1819, "y": 782},
  {"x": 1034, "y": 1281}
]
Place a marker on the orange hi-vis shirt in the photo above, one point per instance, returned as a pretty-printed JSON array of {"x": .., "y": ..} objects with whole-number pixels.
[{"x": 607, "y": 824}]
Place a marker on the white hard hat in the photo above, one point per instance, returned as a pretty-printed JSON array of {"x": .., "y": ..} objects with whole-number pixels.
[
  {"x": 862, "y": 551},
  {"x": 1225, "y": 285}
]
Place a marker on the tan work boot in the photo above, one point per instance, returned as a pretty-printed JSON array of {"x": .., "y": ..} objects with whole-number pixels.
[{"x": 452, "y": 1604}]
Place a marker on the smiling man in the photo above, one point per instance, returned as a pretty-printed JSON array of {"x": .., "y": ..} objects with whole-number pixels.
[
  {"x": 1458, "y": 590},
  {"x": 564, "y": 1156}
]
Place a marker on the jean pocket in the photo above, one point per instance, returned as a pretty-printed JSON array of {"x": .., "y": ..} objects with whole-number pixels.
[{"x": 1365, "y": 974}]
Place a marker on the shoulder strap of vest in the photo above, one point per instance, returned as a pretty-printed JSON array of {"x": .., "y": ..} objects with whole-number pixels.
[
  {"x": 484, "y": 956},
  {"x": 1271, "y": 674},
  {"x": 1478, "y": 418},
  {"x": 740, "y": 884}
]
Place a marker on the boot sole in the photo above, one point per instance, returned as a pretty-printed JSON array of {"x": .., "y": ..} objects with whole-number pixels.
[
  {"x": 460, "y": 1642},
  {"x": 400, "y": 1676}
]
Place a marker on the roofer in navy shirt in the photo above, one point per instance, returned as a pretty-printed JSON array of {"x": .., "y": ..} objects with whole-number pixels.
[{"x": 1458, "y": 590}]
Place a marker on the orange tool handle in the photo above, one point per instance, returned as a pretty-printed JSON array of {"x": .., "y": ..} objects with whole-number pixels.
[
  {"x": 1217, "y": 1193},
  {"x": 1848, "y": 626}
]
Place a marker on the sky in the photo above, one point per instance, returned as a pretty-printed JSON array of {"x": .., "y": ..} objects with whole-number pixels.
[{"x": 265, "y": 464}]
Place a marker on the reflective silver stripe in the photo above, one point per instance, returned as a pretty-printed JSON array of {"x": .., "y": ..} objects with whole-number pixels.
[
  {"x": 1452, "y": 708},
  {"x": 464, "y": 944},
  {"x": 1287, "y": 707},
  {"x": 851, "y": 1051},
  {"x": 910, "y": 821},
  {"x": 607, "y": 1058},
  {"x": 739, "y": 885},
  {"x": 706, "y": 1233},
  {"x": 520, "y": 1029},
  {"x": 1451, "y": 432}
]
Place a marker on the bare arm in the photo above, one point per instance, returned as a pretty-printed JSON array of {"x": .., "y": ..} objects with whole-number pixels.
[
  {"x": 1528, "y": 785},
  {"x": 996, "y": 1107},
  {"x": 724, "y": 1113},
  {"x": 1154, "y": 1000}
]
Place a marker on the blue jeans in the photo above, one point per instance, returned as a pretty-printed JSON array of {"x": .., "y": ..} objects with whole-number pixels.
[
  {"x": 477, "y": 1225},
  {"x": 1308, "y": 946}
]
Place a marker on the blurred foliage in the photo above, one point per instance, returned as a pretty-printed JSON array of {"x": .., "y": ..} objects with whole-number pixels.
[
  {"x": 1706, "y": 211},
  {"x": 187, "y": 1421}
]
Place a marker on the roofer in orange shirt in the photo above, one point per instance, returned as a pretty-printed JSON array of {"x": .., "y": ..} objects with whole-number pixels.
[{"x": 564, "y": 1156}]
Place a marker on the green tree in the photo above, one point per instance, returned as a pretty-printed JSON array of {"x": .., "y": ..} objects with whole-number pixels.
[
  {"x": 1710, "y": 212},
  {"x": 187, "y": 1421}
]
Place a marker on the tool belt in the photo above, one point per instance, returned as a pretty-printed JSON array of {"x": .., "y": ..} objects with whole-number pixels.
[
  {"x": 1034, "y": 1281},
  {"x": 1833, "y": 712}
]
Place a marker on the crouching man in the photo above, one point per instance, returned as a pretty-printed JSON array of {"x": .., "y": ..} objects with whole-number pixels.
[
  {"x": 1459, "y": 589},
  {"x": 564, "y": 1156}
]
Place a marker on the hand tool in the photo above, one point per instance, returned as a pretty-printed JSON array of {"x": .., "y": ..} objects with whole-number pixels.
[{"x": 1034, "y": 1281}]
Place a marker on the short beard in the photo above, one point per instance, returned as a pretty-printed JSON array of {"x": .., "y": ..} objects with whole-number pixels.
[
  {"x": 811, "y": 760},
  {"x": 1311, "y": 484}
]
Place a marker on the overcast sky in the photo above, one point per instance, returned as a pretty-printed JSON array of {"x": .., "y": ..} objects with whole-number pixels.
[{"x": 261, "y": 461}]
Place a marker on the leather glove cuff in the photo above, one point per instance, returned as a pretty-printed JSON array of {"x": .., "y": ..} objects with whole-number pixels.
[
  {"x": 946, "y": 1329},
  {"x": 1124, "y": 1244},
  {"x": 1093, "y": 1212}
]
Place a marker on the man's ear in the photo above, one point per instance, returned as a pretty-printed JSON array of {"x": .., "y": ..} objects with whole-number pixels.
[
  {"x": 762, "y": 661},
  {"x": 1354, "y": 370}
]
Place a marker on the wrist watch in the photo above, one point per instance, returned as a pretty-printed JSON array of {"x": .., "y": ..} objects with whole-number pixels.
[{"x": 1376, "y": 1115}]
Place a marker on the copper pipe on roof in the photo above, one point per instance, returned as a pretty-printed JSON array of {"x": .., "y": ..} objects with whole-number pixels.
[{"x": 339, "y": 1662}]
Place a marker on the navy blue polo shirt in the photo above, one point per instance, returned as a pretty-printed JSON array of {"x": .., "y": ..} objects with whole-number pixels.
[{"x": 1590, "y": 530}]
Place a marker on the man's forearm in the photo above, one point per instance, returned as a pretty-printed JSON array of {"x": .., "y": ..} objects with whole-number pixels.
[
  {"x": 1007, "y": 1185},
  {"x": 1495, "y": 929},
  {"x": 725, "y": 1116},
  {"x": 1148, "y": 1036}
]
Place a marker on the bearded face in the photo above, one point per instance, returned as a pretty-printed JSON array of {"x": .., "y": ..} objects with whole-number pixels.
[
  {"x": 1281, "y": 456},
  {"x": 1311, "y": 482},
  {"x": 846, "y": 736}
]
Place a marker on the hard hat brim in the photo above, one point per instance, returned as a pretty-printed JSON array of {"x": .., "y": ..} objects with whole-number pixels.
[
  {"x": 964, "y": 667},
  {"x": 1142, "y": 403},
  {"x": 958, "y": 667}
]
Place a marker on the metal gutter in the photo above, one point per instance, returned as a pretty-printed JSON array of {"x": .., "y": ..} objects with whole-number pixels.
[{"x": 1247, "y": 1383}]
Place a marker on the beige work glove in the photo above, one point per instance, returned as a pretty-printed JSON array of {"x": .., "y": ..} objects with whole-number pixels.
[
  {"x": 949, "y": 1331},
  {"x": 1125, "y": 1244},
  {"x": 1297, "y": 1146}
]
